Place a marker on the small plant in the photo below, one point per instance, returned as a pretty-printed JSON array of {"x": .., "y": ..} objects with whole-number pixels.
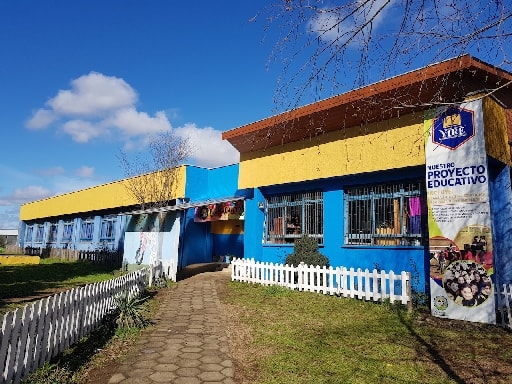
[
  {"x": 306, "y": 251},
  {"x": 50, "y": 374},
  {"x": 420, "y": 300},
  {"x": 129, "y": 310},
  {"x": 276, "y": 291}
]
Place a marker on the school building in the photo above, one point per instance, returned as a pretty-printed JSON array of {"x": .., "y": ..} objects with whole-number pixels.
[
  {"x": 404, "y": 174},
  {"x": 389, "y": 175},
  {"x": 202, "y": 223}
]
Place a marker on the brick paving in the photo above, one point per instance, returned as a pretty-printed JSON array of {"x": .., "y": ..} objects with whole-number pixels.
[{"x": 188, "y": 343}]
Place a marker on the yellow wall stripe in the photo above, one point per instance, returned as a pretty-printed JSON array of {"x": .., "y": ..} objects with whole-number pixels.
[{"x": 105, "y": 196}]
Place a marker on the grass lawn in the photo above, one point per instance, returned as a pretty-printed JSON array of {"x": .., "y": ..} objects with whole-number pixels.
[
  {"x": 20, "y": 284},
  {"x": 283, "y": 336}
]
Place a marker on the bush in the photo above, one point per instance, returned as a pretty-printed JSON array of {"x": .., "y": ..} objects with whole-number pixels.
[
  {"x": 306, "y": 251},
  {"x": 129, "y": 310}
]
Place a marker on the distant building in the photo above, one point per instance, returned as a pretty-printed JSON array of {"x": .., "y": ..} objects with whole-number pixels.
[{"x": 8, "y": 236}]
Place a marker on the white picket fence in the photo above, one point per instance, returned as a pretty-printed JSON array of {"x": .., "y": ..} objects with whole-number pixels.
[
  {"x": 361, "y": 284},
  {"x": 32, "y": 335}
]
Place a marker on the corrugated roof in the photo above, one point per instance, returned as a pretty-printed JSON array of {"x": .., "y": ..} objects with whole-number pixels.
[{"x": 183, "y": 206}]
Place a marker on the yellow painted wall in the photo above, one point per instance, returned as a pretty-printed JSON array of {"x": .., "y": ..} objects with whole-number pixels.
[
  {"x": 390, "y": 144},
  {"x": 105, "y": 196},
  {"x": 227, "y": 227},
  {"x": 19, "y": 260},
  {"x": 496, "y": 138}
]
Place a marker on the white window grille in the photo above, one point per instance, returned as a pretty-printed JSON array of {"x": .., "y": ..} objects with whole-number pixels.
[
  {"x": 108, "y": 228},
  {"x": 39, "y": 233},
  {"x": 67, "y": 231},
  {"x": 29, "y": 233},
  {"x": 87, "y": 229},
  {"x": 291, "y": 216},
  {"x": 385, "y": 215},
  {"x": 52, "y": 236}
]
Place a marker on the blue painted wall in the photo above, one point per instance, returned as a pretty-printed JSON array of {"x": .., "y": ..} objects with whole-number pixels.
[
  {"x": 501, "y": 213},
  {"x": 396, "y": 258}
]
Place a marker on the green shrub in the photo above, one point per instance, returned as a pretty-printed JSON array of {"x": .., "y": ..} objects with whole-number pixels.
[
  {"x": 129, "y": 311},
  {"x": 306, "y": 251}
]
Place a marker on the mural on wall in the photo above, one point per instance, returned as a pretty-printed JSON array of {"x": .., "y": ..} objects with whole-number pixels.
[
  {"x": 151, "y": 238},
  {"x": 229, "y": 210},
  {"x": 460, "y": 244}
]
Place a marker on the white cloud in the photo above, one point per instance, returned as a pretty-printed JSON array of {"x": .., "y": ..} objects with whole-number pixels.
[
  {"x": 85, "y": 172},
  {"x": 30, "y": 193},
  {"x": 208, "y": 148},
  {"x": 41, "y": 119},
  {"x": 82, "y": 131},
  {"x": 98, "y": 106},
  {"x": 134, "y": 123},
  {"x": 328, "y": 25},
  {"x": 93, "y": 95},
  {"x": 53, "y": 171}
]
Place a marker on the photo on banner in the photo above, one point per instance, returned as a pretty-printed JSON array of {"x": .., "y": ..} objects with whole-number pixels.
[{"x": 460, "y": 233}]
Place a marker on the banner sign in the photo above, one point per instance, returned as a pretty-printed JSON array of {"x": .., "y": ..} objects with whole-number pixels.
[
  {"x": 460, "y": 236},
  {"x": 230, "y": 210}
]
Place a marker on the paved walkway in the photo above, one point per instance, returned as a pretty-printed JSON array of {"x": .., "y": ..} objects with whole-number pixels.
[{"x": 188, "y": 343}]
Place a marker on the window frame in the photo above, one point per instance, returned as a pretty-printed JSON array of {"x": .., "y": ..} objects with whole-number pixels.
[
  {"x": 375, "y": 226},
  {"x": 29, "y": 233},
  {"x": 67, "y": 228},
  {"x": 53, "y": 232},
  {"x": 39, "y": 233},
  {"x": 87, "y": 229},
  {"x": 304, "y": 213},
  {"x": 108, "y": 228}
]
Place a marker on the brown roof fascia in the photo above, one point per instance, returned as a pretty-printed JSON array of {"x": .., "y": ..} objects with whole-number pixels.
[{"x": 250, "y": 136}]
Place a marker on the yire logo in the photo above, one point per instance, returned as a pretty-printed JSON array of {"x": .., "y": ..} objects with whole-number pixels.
[{"x": 453, "y": 127}]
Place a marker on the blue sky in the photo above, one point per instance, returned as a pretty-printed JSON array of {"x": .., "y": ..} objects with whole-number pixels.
[{"x": 82, "y": 79}]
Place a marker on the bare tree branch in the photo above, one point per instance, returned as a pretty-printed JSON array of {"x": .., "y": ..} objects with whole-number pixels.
[
  {"x": 152, "y": 175},
  {"x": 327, "y": 47}
]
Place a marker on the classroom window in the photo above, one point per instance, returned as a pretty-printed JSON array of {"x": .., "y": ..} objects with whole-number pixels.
[
  {"x": 291, "y": 216},
  {"x": 28, "y": 233},
  {"x": 87, "y": 229},
  {"x": 39, "y": 233},
  {"x": 67, "y": 231},
  {"x": 108, "y": 228},
  {"x": 52, "y": 236},
  {"x": 385, "y": 215}
]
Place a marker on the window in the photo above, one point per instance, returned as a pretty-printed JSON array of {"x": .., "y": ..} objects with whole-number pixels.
[
  {"x": 67, "y": 231},
  {"x": 87, "y": 229},
  {"x": 53, "y": 233},
  {"x": 108, "y": 228},
  {"x": 39, "y": 233},
  {"x": 28, "y": 233},
  {"x": 385, "y": 214},
  {"x": 290, "y": 216}
]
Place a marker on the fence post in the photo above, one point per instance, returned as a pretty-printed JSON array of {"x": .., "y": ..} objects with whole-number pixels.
[{"x": 407, "y": 276}]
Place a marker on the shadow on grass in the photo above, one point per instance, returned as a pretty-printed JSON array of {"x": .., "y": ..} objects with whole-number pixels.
[
  {"x": 431, "y": 350},
  {"x": 24, "y": 283}
]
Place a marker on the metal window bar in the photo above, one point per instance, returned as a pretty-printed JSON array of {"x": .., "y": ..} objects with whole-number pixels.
[
  {"x": 290, "y": 216},
  {"x": 28, "y": 233},
  {"x": 39, "y": 233},
  {"x": 67, "y": 232},
  {"x": 381, "y": 214},
  {"x": 107, "y": 229},
  {"x": 86, "y": 230},
  {"x": 52, "y": 237}
]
